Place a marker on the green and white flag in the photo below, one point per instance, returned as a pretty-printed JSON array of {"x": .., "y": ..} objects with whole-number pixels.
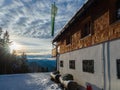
[{"x": 53, "y": 14}]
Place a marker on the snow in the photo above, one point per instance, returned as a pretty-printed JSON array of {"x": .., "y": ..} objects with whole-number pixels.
[{"x": 31, "y": 81}]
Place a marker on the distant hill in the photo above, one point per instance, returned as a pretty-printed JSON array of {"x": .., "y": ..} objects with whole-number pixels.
[
  {"x": 42, "y": 61},
  {"x": 39, "y": 56}
]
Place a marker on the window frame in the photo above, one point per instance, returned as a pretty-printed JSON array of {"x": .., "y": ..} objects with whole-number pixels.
[
  {"x": 68, "y": 40},
  {"x": 61, "y": 63},
  {"x": 86, "y": 30},
  {"x": 88, "y": 66},
  {"x": 72, "y": 64},
  {"x": 117, "y": 10},
  {"x": 114, "y": 12},
  {"x": 118, "y": 68}
]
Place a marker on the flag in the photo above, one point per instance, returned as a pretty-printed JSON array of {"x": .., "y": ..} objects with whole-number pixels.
[{"x": 53, "y": 14}]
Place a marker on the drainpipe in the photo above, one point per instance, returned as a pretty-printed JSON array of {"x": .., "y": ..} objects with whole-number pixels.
[
  {"x": 57, "y": 57},
  {"x": 106, "y": 64}
]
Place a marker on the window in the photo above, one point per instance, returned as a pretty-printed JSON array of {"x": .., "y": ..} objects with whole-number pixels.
[
  {"x": 88, "y": 66},
  {"x": 72, "y": 64},
  {"x": 86, "y": 29},
  {"x": 118, "y": 68},
  {"x": 61, "y": 63},
  {"x": 118, "y": 9},
  {"x": 68, "y": 40}
]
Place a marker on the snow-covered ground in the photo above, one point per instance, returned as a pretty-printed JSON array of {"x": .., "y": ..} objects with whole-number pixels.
[{"x": 32, "y": 81}]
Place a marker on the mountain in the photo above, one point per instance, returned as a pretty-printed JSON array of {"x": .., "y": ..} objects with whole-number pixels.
[{"x": 43, "y": 61}]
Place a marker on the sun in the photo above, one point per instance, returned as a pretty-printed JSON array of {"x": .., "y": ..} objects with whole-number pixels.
[{"x": 14, "y": 46}]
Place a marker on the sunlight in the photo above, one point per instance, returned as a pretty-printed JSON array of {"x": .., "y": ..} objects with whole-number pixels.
[{"x": 15, "y": 46}]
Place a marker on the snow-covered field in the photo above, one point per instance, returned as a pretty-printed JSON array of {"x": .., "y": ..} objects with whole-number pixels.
[{"x": 32, "y": 81}]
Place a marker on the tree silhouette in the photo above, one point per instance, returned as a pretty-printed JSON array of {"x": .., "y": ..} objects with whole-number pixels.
[
  {"x": 0, "y": 32},
  {"x": 10, "y": 63}
]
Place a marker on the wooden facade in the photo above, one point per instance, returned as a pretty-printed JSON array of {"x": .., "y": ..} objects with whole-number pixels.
[
  {"x": 54, "y": 52},
  {"x": 103, "y": 26},
  {"x": 88, "y": 47}
]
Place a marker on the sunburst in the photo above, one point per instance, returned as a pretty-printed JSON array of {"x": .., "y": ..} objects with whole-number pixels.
[{"x": 15, "y": 46}]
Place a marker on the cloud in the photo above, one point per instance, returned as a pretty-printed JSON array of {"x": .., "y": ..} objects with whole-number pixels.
[
  {"x": 33, "y": 45},
  {"x": 32, "y": 18}
]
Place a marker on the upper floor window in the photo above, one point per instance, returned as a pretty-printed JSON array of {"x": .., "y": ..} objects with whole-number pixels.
[
  {"x": 86, "y": 29},
  {"x": 72, "y": 64},
  {"x": 118, "y": 9},
  {"x": 68, "y": 39},
  {"x": 114, "y": 11}
]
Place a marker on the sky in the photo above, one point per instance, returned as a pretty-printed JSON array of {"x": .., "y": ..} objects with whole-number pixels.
[{"x": 29, "y": 22}]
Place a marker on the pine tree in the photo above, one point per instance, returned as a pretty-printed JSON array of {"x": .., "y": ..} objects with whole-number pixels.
[
  {"x": 0, "y": 32},
  {"x": 6, "y": 37}
]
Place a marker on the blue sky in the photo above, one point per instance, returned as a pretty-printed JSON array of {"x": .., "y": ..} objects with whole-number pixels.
[{"x": 28, "y": 21}]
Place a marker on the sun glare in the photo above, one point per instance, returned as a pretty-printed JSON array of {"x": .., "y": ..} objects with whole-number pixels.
[{"x": 15, "y": 46}]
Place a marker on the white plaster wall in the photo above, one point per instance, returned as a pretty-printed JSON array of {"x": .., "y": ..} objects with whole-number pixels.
[
  {"x": 83, "y": 78},
  {"x": 104, "y": 56},
  {"x": 114, "y": 55}
]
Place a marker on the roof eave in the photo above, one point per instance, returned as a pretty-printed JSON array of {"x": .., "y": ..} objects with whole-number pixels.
[{"x": 80, "y": 11}]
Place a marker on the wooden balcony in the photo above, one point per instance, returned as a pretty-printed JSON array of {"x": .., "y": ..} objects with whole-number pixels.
[{"x": 54, "y": 52}]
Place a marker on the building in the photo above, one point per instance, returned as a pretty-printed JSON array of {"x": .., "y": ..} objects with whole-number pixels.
[{"x": 88, "y": 46}]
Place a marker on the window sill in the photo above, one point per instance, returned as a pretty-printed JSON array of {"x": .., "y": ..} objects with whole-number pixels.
[
  {"x": 88, "y": 72},
  {"x": 72, "y": 68},
  {"x": 68, "y": 44},
  {"x": 85, "y": 37}
]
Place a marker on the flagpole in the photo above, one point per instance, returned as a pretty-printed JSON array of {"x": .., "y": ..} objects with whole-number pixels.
[{"x": 53, "y": 14}]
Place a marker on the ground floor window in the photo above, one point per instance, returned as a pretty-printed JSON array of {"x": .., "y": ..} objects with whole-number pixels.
[
  {"x": 88, "y": 66},
  {"x": 61, "y": 63},
  {"x": 118, "y": 68},
  {"x": 72, "y": 64}
]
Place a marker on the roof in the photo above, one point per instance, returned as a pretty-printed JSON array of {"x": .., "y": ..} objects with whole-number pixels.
[{"x": 78, "y": 13}]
